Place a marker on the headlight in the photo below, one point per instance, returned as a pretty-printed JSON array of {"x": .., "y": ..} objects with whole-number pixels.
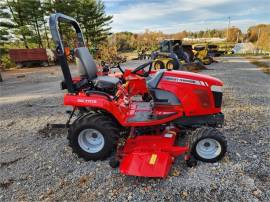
[{"x": 216, "y": 88}]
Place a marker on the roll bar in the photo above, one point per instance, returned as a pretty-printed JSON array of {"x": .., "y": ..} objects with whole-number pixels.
[{"x": 53, "y": 23}]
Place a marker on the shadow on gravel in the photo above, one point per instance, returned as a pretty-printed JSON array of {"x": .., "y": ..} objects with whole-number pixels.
[
  {"x": 50, "y": 132},
  {"x": 7, "y": 163},
  {"x": 6, "y": 183}
]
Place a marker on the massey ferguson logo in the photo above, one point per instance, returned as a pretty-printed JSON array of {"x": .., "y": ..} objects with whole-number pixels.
[
  {"x": 86, "y": 101},
  {"x": 184, "y": 80}
]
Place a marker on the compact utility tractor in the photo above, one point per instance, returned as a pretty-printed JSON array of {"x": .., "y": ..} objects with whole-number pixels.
[{"x": 137, "y": 118}]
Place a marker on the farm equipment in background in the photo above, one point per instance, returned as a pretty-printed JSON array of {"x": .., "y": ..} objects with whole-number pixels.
[
  {"x": 143, "y": 54},
  {"x": 148, "y": 111},
  {"x": 32, "y": 56},
  {"x": 170, "y": 55},
  {"x": 201, "y": 53},
  {"x": 213, "y": 50},
  {"x": 173, "y": 55},
  {"x": 226, "y": 49}
]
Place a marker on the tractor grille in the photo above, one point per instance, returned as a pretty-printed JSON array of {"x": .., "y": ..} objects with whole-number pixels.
[{"x": 217, "y": 98}]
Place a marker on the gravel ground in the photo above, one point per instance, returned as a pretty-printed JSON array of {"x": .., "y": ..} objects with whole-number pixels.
[{"x": 36, "y": 163}]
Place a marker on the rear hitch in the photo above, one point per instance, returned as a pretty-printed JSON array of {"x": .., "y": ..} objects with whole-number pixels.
[
  {"x": 57, "y": 125},
  {"x": 61, "y": 125}
]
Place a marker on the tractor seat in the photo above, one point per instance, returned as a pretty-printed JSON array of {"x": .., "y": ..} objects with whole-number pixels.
[
  {"x": 160, "y": 96},
  {"x": 105, "y": 82},
  {"x": 89, "y": 70},
  {"x": 153, "y": 81}
]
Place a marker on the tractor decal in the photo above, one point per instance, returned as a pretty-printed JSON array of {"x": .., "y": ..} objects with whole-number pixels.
[
  {"x": 86, "y": 101},
  {"x": 185, "y": 80}
]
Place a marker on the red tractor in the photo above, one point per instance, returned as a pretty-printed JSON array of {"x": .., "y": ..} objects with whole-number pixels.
[{"x": 139, "y": 116}]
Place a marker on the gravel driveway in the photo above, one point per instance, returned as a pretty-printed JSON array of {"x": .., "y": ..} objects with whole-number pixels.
[{"x": 36, "y": 164}]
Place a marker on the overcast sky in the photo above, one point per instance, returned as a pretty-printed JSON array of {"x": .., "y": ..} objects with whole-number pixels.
[{"x": 192, "y": 15}]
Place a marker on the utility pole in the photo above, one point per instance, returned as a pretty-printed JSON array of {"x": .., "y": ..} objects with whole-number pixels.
[
  {"x": 229, "y": 18},
  {"x": 228, "y": 27}
]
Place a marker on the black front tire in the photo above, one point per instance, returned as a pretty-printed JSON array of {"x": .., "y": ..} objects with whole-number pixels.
[
  {"x": 101, "y": 123},
  {"x": 204, "y": 135}
]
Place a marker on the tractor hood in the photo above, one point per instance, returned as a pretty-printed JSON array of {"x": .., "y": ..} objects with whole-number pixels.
[
  {"x": 192, "y": 77},
  {"x": 199, "y": 94}
]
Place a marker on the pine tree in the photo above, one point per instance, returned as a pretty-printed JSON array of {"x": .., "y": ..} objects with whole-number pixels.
[
  {"x": 18, "y": 18},
  {"x": 91, "y": 16}
]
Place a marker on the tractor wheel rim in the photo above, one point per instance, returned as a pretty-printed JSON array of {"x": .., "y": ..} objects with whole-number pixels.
[
  {"x": 157, "y": 66},
  {"x": 208, "y": 148},
  {"x": 91, "y": 140},
  {"x": 170, "y": 66}
]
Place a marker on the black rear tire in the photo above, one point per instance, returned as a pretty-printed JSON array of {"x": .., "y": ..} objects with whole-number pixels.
[
  {"x": 159, "y": 65},
  {"x": 173, "y": 63},
  {"x": 97, "y": 122},
  {"x": 208, "y": 136}
]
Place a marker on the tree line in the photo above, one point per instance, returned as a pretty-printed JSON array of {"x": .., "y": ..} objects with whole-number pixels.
[
  {"x": 26, "y": 21},
  {"x": 24, "y": 24},
  {"x": 126, "y": 41}
]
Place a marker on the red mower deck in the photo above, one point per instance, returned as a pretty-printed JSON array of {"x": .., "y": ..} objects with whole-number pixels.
[{"x": 150, "y": 155}]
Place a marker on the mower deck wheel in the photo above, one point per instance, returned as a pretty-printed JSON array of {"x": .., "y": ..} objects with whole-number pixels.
[
  {"x": 208, "y": 145},
  {"x": 93, "y": 137}
]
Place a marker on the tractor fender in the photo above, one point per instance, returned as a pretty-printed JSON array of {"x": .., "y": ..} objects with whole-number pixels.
[{"x": 96, "y": 101}]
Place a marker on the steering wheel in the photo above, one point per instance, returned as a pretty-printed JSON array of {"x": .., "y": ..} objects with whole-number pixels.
[{"x": 141, "y": 67}]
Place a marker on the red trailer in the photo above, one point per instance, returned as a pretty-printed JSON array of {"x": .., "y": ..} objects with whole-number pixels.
[{"x": 28, "y": 57}]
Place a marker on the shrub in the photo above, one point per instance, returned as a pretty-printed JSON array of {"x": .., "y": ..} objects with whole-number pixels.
[{"x": 6, "y": 62}]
